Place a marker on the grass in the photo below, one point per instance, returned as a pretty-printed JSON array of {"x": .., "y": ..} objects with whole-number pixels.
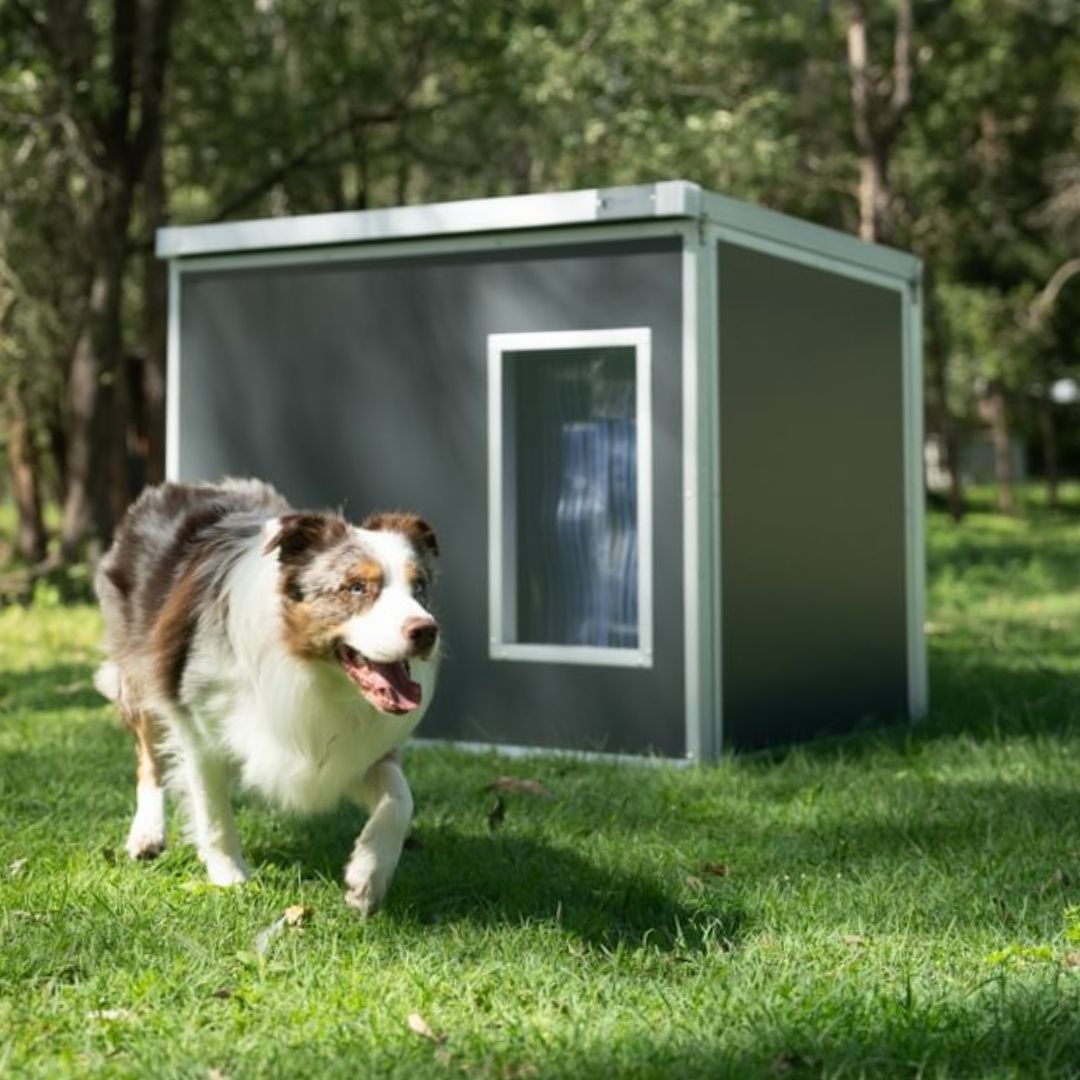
[{"x": 900, "y": 903}]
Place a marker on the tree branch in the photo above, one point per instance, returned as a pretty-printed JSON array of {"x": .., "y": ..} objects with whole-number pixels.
[
  {"x": 903, "y": 48},
  {"x": 303, "y": 157},
  {"x": 1039, "y": 309},
  {"x": 858, "y": 68}
]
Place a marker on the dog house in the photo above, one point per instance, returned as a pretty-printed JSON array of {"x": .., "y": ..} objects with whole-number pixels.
[{"x": 670, "y": 442}]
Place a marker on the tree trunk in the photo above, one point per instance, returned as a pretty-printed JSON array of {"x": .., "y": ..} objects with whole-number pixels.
[
  {"x": 97, "y": 445},
  {"x": 877, "y": 114},
  {"x": 31, "y": 539},
  {"x": 998, "y": 415},
  {"x": 154, "y": 326},
  {"x": 874, "y": 196}
]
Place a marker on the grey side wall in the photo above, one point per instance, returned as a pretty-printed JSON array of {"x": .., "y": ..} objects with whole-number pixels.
[
  {"x": 812, "y": 493},
  {"x": 362, "y": 384}
]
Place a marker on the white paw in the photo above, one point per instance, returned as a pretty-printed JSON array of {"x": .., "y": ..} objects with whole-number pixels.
[
  {"x": 367, "y": 884},
  {"x": 145, "y": 840},
  {"x": 224, "y": 870}
]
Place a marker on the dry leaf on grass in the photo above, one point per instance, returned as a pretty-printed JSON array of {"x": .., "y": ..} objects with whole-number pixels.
[
  {"x": 422, "y": 1028},
  {"x": 110, "y": 1014},
  {"x": 694, "y": 882},
  {"x": 1072, "y": 960},
  {"x": 853, "y": 940},
  {"x": 496, "y": 813},
  {"x": 297, "y": 915},
  {"x": 17, "y": 867},
  {"x": 505, "y": 785},
  {"x": 715, "y": 869}
]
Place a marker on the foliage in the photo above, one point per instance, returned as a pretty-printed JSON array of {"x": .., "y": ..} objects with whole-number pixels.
[
  {"x": 899, "y": 903},
  {"x": 300, "y": 106}
]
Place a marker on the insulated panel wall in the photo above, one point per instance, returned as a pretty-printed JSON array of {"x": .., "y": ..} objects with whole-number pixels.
[
  {"x": 362, "y": 384},
  {"x": 812, "y": 500}
]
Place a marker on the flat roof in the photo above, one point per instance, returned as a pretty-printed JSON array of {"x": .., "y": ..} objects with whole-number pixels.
[{"x": 669, "y": 199}]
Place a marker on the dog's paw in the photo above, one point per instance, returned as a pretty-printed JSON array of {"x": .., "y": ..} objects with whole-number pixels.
[
  {"x": 224, "y": 870},
  {"x": 363, "y": 900},
  {"x": 367, "y": 884},
  {"x": 145, "y": 841}
]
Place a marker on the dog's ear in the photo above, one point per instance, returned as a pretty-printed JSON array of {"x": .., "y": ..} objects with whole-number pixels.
[
  {"x": 296, "y": 536},
  {"x": 420, "y": 533}
]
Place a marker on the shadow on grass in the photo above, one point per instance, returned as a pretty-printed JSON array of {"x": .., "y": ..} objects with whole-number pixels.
[
  {"x": 1003, "y": 1030},
  {"x": 50, "y": 689},
  {"x": 447, "y": 877}
]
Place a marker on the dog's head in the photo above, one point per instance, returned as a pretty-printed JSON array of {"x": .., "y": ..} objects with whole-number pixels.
[{"x": 358, "y": 598}]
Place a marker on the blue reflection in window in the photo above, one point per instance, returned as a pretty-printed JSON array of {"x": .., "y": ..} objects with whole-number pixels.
[{"x": 575, "y": 471}]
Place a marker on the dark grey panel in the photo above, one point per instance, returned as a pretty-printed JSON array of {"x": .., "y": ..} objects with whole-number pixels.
[
  {"x": 363, "y": 384},
  {"x": 814, "y": 635}
]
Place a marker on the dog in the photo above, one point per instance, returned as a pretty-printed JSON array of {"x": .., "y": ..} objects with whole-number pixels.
[{"x": 288, "y": 652}]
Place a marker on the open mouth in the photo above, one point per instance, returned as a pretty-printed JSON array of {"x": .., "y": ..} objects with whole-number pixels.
[{"x": 389, "y": 687}]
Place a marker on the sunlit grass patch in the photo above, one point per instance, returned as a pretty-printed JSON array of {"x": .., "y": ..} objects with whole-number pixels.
[{"x": 899, "y": 903}]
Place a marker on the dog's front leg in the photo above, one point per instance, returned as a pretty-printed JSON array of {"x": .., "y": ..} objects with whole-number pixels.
[
  {"x": 385, "y": 793},
  {"x": 207, "y": 782}
]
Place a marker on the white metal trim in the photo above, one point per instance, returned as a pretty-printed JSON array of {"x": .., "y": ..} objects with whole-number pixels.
[
  {"x": 172, "y": 377},
  {"x": 512, "y": 750},
  {"x": 669, "y": 198},
  {"x": 701, "y": 499},
  {"x": 445, "y": 245},
  {"x": 795, "y": 233},
  {"x": 710, "y": 478},
  {"x": 914, "y": 505},
  {"x": 501, "y": 543},
  {"x": 813, "y": 259},
  {"x": 696, "y": 739},
  {"x": 596, "y": 655}
]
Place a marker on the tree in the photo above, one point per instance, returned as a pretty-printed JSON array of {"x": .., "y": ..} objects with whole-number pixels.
[
  {"x": 879, "y": 106},
  {"x": 106, "y": 66}
]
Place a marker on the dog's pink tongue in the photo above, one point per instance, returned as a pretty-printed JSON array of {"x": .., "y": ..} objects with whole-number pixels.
[{"x": 389, "y": 688}]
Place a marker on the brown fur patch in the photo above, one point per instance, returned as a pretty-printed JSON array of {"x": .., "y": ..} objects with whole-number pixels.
[
  {"x": 299, "y": 538},
  {"x": 192, "y": 528},
  {"x": 415, "y": 574},
  {"x": 368, "y": 573},
  {"x": 299, "y": 535},
  {"x": 420, "y": 533},
  {"x": 174, "y": 629},
  {"x": 147, "y": 757},
  {"x": 313, "y": 622}
]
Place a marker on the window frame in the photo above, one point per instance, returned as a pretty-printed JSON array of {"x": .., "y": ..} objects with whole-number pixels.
[{"x": 502, "y": 524}]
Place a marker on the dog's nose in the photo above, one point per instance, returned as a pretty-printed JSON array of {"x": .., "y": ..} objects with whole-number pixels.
[{"x": 421, "y": 634}]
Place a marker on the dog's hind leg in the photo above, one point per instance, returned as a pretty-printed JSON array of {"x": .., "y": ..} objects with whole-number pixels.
[
  {"x": 146, "y": 838},
  {"x": 385, "y": 792}
]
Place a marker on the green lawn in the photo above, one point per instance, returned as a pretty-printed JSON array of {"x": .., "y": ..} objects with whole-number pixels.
[{"x": 896, "y": 903}]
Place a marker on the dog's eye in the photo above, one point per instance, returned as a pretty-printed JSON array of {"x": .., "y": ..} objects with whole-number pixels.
[
  {"x": 359, "y": 588},
  {"x": 419, "y": 590}
]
